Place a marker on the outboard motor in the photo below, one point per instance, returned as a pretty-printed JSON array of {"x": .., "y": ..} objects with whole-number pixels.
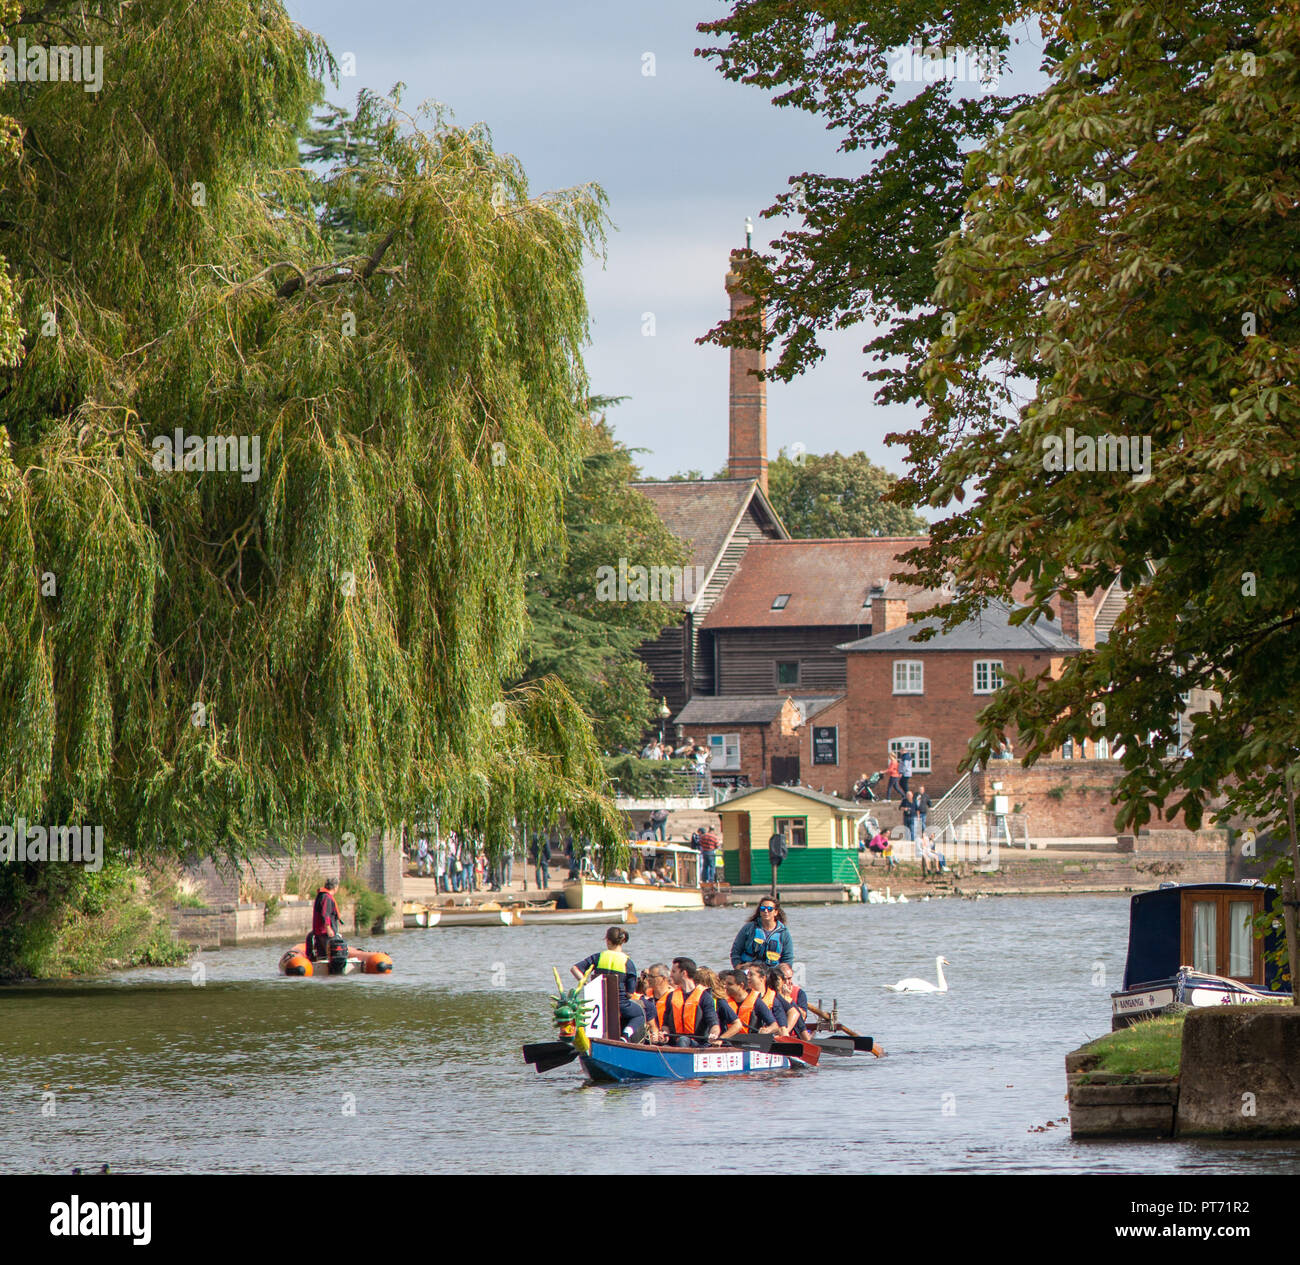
[{"x": 338, "y": 955}]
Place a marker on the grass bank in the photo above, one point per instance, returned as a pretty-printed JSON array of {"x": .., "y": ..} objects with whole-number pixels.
[{"x": 1151, "y": 1048}]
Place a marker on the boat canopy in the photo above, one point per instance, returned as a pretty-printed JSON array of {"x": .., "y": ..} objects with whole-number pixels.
[
  {"x": 648, "y": 845},
  {"x": 1155, "y": 933}
]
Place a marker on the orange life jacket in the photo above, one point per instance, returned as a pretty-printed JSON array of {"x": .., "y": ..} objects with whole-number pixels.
[
  {"x": 660, "y": 1005},
  {"x": 685, "y": 1009},
  {"x": 769, "y": 996},
  {"x": 745, "y": 1009}
]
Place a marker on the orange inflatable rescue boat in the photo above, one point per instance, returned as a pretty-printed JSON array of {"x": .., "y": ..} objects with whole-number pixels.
[{"x": 348, "y": 961}]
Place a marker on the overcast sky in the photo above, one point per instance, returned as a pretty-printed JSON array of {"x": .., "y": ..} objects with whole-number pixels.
[{"x": 683, "y": 155}]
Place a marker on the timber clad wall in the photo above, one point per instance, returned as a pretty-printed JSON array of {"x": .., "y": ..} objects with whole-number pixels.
[
  {"x": 747, "y": 658},
  {"x": 945, "y": 713}
]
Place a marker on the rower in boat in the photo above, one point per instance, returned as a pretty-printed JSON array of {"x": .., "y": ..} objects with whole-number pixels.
[
  {"x": 690, "y": 1017},
  {"x": 790, "y": 1015},
  {"x": 613, "y": 961},
  {"x": 800, "y": 997},
  {"x": 656, "y": 1001},
  {"x": 751, "y": 1013}
]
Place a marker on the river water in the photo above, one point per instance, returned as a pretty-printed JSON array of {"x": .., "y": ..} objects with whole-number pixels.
[{"x": 421, "y": 1071}]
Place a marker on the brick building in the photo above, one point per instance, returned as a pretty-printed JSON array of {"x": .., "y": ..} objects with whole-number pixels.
[{"x": 924, "y": 696}]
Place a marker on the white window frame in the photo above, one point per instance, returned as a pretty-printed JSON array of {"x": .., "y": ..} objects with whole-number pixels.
[
  {"x": 915, "y": 745},
  {"x": 913, "y": 683},
  {"x": 988, "y": 665},
  {"x": 725, "y": 752}
]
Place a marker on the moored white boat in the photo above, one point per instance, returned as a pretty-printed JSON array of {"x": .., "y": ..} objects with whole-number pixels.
[{"x": 679, "y": 864}]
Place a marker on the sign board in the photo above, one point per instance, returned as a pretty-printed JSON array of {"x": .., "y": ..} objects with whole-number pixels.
[
  {"x": 826, "y": 744},
  {"x": 1002, "y": 804},
  {"x": 594, "y": 992}
]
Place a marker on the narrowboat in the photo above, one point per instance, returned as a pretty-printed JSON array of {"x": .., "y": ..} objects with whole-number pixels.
[{"x": 1194, "y": 944}]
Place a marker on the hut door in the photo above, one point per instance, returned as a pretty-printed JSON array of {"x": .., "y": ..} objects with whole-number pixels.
[
  {"x": 785, "y": 768},
  {"x": 742, "y": 857}
]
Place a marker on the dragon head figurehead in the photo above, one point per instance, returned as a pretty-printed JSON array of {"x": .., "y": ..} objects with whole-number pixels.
[{"x": 573, "y": 1011}]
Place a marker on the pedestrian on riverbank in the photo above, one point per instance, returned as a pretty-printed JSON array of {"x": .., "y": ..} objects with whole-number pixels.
[
  {"x": 909, "y": 815},
  {"x": 658, "y": 823},
  {"x": 764, "y": 938},
  {"x": 905, "y": 770},
  {"x": 891, "y": 772},
  {"x": 709, "y": 845},
  {"x": 440, "y": 865},
  {"x": 541, "y": 859},
  {"x": 922, "y": 808}
]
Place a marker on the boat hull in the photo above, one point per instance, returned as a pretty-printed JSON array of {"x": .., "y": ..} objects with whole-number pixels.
[
  {"x": 615, "y": 1061},
  {"x": 1186, "y": 989},
  {"x": 643, "y": 899},
  {"x": 295, "y": 962},
  {"x": 570, "y": 917}
]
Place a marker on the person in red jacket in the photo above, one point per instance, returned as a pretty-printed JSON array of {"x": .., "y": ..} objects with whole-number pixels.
[{"x": 325, "y": 921}]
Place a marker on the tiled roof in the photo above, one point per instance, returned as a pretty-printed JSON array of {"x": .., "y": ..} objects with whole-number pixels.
[
  {"x": 704, "y": 512},
  {"x": 827, "y": 582},
  {"x": 991, "y": 629}
]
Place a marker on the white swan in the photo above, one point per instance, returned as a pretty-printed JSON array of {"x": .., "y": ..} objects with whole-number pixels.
[{"x": 923, "y": 985}]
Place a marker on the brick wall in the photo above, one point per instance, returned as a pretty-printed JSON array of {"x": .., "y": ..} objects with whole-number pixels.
[
  {"x": 944, "y": 714},
  {"x": 1063, "y": 798}
]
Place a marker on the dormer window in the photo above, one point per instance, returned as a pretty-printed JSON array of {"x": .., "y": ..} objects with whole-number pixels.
[{"x": 781, "y": 600}]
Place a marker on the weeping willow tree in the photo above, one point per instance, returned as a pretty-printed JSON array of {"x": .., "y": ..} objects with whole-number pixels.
[{"x": 211, "y": 658}]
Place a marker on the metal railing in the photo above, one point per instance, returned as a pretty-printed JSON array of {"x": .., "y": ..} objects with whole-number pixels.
[{"x": 950, "y": 806}]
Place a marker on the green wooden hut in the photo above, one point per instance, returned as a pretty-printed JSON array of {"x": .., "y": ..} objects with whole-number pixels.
[{"x": 822, "y": 830}]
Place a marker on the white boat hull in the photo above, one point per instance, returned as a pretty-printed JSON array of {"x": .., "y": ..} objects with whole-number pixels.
[
  {"x": 569, "y": 917},
  {"x": 644, "y": 899}
]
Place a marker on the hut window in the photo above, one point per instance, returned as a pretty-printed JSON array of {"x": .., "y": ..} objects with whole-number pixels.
[{"x": 797, "y": 828}]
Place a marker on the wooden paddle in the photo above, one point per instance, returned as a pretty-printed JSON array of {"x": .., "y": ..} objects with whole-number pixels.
[{"x": 863, "y": 1045}]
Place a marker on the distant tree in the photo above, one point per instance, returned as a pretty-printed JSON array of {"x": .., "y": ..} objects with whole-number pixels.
[
  {"x": 835, "y": 495},
  {"x": 590, "y": 644}
]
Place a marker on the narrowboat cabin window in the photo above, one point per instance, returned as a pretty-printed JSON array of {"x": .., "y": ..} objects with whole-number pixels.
[
  {"x": 795, "y": 827},
  {"x": 1218, "y": 936}
]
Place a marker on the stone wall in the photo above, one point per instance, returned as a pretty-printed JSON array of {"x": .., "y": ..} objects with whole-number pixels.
[{"x": 1240, "y": 1073}]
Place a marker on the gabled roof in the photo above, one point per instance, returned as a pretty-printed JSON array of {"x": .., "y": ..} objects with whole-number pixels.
[
  {"x": 847, "y": 806},
  {"x": 705, "y": 513},
  {"x": 991, "y": 629},
  {"x": 827, "y": 583}
]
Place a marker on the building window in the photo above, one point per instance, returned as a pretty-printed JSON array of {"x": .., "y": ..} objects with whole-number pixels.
[
  {"x": 725, "y": 750},
  {"x": 797, "y": 827},
  {"x": 988, "y": 676},
  {"x": 787, "y": 673},
  {"x": 920, "y": 749},
  {"x": 908, "y": 676},
  {"x": 1103, "y": 748},
  {"x": 779, "y": 604}
]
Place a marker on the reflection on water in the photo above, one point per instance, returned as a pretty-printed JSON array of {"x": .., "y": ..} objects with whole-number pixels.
[{"x": 421, "y": 1071}]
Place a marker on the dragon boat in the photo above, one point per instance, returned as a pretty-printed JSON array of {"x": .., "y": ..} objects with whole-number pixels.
[{"x": 587, "y": 1019}]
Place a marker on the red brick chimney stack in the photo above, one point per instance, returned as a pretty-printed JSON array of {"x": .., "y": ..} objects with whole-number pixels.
[
  {"x": 1079, "y": 620},
  {"x": 747, "y": 452}
]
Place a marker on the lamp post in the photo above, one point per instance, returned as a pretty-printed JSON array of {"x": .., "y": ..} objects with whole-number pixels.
[{"x": 664, "y": 713}]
